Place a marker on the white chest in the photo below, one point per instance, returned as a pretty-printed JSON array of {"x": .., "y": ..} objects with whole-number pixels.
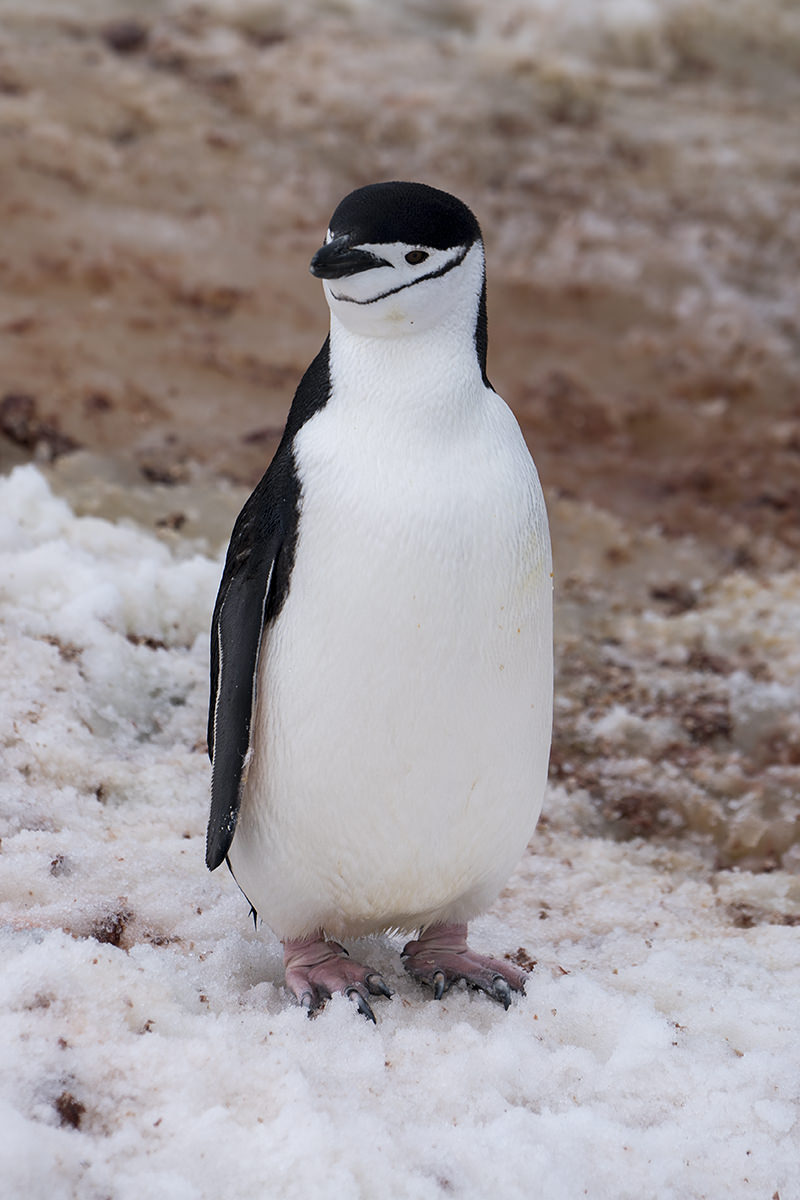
[{"x": 404, "y": 705}]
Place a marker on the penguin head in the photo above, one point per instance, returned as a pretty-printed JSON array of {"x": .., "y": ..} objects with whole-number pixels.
[{"x": 400, "y": 258}]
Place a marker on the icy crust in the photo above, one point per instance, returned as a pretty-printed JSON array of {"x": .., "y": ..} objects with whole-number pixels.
[{"x": 150, "y": 1048}]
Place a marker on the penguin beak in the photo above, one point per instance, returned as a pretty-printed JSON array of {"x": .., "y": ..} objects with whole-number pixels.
[{"x": 338, "y": 258}]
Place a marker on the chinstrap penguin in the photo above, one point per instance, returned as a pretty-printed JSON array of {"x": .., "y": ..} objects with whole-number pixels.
[{"x": 381, "y": 649}]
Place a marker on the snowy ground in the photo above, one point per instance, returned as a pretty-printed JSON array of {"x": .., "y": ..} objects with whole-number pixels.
[{"x": 151, "y": 1049}]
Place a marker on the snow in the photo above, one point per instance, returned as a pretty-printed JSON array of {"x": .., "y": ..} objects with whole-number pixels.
[{"x": 150, "y": 1048}]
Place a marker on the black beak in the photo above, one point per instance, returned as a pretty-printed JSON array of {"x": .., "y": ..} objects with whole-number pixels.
[{"x": 337, "y": 258}]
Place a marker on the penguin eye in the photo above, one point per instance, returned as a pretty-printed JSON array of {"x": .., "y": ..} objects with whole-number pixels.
[{"x": 416, "y": 256}]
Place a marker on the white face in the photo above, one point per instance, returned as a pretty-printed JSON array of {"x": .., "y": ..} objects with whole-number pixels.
[{"x": 417, "y": 288}]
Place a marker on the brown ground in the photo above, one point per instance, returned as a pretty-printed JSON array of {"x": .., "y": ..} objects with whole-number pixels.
[{"x": 157, "y": 302}]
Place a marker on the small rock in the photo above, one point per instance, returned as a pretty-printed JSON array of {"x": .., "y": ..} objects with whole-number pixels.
[{"x": 125, "y": 36}]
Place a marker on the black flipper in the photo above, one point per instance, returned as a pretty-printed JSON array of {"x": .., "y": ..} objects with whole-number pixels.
[
  {"x": 236, "y": 633},
  {"x": 255, "y": 583}
]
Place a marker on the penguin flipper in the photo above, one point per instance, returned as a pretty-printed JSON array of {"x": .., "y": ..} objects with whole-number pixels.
[{"x": 237, "y": 631}]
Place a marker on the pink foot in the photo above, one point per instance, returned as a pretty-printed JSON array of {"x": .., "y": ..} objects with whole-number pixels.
[
  {"x": 315, "y": 969},
  {"x": 440, "y": 956}
]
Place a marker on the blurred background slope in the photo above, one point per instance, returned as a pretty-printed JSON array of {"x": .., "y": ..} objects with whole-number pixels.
[{"x": 168, "y": 168}]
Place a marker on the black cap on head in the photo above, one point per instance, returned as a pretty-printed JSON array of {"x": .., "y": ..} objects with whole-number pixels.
[{"x": 405, "y": 212}]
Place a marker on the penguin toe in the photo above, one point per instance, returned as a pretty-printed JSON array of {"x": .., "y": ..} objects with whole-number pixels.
[
  {"x": 439, "y": 984},
  {"x": 361, "y": 1002},
  {"x": 378, "y": 986},
  {"x": 311, "y": 1002},
  {"x": 501, "y": 991}
]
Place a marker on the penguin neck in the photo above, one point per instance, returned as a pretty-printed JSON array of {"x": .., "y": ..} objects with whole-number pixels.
[{"x": 423, "y": 380}]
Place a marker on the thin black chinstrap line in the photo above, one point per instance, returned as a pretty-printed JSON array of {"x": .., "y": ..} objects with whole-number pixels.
[{"x": 455, "y": 262}]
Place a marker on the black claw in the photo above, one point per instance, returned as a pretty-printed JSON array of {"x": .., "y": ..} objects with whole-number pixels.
[
  {"x": 501, "y": 989},
  {"x": 438, "y": 982},
  {"x": 307, "y": 1002},
  {"x": 361, "y": 1003},
  {"x": 378, "y": 986}
]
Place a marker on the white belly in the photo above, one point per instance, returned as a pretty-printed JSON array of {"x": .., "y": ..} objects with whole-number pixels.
[{"x": 405, "y": 690}]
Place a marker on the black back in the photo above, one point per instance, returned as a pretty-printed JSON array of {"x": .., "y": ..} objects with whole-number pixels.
[{"x": 254, "y": 586}]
